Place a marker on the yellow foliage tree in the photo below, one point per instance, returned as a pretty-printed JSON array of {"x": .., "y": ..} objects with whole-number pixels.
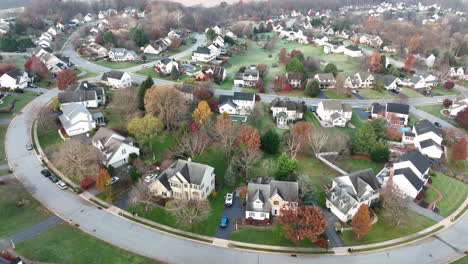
[
  {"x": 202, "y": 112},
  {"x": 102, "y": 179},
  {"x": 144, "y": 128}
]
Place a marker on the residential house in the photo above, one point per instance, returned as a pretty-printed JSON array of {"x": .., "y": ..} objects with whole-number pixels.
[
  {"x": 117, "y": 79},
  {"x": 52, "y": 31},
  {"x": 185, "y": 180},
  {"x": 166, "y": 65},
  {"x": 97, "y": 50},
  {"x": 321, "y": 40},
  {"x": 360, "y": 80},
  {"x": 460, "y": 103},
  {"x": 334, "y": 113},
  {"x": 267, "y": 198},
  {"x": 349, "y": 192},
  {"x": 460, "y": 73},
  {"x": 203, "y": 54},
  {"x": 217, "y": 29},
  {"x": 427, "y": 138},
  {"x": 352, "y": 51},
  {"x": 88, "y": 18},
  {"x": 294, "y": 35},
  {"x": 393, "y": 112},
  {"x": 54, "y": 63},
  {"x": 15, "y": 79},
  {"x": 342, "y": 34},
  {"x": 76, "y": 119},
  {"x": 173, "y": 34},
  {"x": 416, "y": 82},
  {"x": 119, "y": 54},
  {"x": 427, "y": 59},
  {"x": 390, "y": 49},
  {"x": 333, "y": 46},
  {"x": 187, "y": 90},
  {"x": 409, "y": 174},
  {"x": 217, "y": 72},
  {"x": 375, "y": 42},
  {"x": 391, "y": 82},
  {"x": 248, "y": 78},
  {"x": 84, "y": 93},
  {"x": 157, "y": 47},
  {"x": 325, "y": 80},
  {"x": 285, "y": 111},
  {"x": 237, "y": 104},
  {"x": 429, "y": 78},
  {"x": 295, "y": 79},
  {"x": 114, "y": 149}
]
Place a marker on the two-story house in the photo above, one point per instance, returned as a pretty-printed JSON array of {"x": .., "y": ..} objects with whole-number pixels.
[
  {"x": 15, "y": 79},
  {"x": 295, "y": 79},
  {"x": 238, "y": 104},
  {"x": 350, "y": 191},
  {"x": 395, "y": 113},
  {"x": 460, "y": 73},
  {"x": 114, "y": 149},
  {"x": 352, "y": 51},
  {"x": 166, "y": 65},
  {"x": 216, "y": 72},
  {"x": 427, "y": 138},
  {"x": 360, "y": 80},
  {"x": 459, "y": 104},
  {"x": 120, "y": 54},
  {"x": 76, "y": 119},
  {"x": 185, "y": 180},
  {"x": 334, "y": 113},
  {"x": 427, "y": 59},
  {"x": 325, "y": 80},
  {"x": 391, "y": 82},
  {"x": 203, "y": 54},
  {"x": 285, "y": 111},
  {"x": 248, "y": 78},
  {"x": 266, "y": 198},
  {"x": 84, "y": 93},
  {"x": 117, "y": 79}
]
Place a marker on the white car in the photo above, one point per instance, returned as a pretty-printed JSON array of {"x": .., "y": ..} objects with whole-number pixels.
[
  {"x": 29, "y": 147},
  {"x": 229, "y": 198},
  {"x": 113, "y": 180},
  {"x": 61, "y": 185},
  {"x": 151, "y": 177}
]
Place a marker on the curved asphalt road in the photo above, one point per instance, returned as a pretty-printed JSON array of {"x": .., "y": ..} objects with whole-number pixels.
[{"x": 154, "y": 244}]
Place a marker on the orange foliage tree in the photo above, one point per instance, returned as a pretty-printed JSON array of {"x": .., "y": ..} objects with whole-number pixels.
[
  {"x": 302, "y": 222},
  {"x": 362, "y": 222},
  {"x": 65, "y": 78},
  {"x": 460, "y": 150},
  {"x": 249, "y": 137},
  {"x": 102, "y": 179},
  {"x": 374, "y": 62}
]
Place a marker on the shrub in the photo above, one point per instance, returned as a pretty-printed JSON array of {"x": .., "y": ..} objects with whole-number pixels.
[
  {"x": 249, "y": 220},
  {"x": 134, "y": 174},
  {"x": 86, "y": 183},
  {"x": 110, "y": 169},
  {"x": 266, "y": 221},
  {"x": 132, "y": 157},
  {"x": 321, "y": 243},
  {"x": 213, "y": 194}
]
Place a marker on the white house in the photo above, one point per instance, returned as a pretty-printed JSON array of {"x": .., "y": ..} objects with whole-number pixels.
[
  {"x": 203, "y": 54},
  {"x": 215, "y": 71},
  {"x": 350, "y": 191},
  {"x": 88, "y": 18},
  {"x": 295, "y": 79},
  {"x": 114, "y": 149},
  {"x": 416, "y": 82},
  {"x": 185, "y": 180},
  {"x": 15, "y": 79},
  {"x": 429, "y": 78},
  {"x": 119, "y": 54},
  {"x": 84, "y": 93},
  {"x": 427, "y": 59},
  {"x": 76, "y": 119},
  {"x": 360, "y": 80},
  {"x": 325, "y": 80},
  {"x": 334, "y": 112},
  {"x": 320, "y": 40},
  {"x": 157, "y": 47},
  {"x": 352, "y": 51},
  {"x": 237, "y": 104},
  {"x": 409, "y": 174},
  {"x": 391, "y": 82},
  {"x": 459, "y": 104},
  {"x": 394, "y": 113},
  {"x": 390, "y": 49},
  {"x": 294, "y": 35},
  {"x": 166, "y": 65},
  {"x": 427, "y": 138},
  {"x": 333, "y": 46},
  {"x": 460, "y": 73},
  {"x": 265, "y": 199},
  {"x": 117, "y": 79},
  {"x": 248, "y": 78},
  {"x": 286, "y": 111}
]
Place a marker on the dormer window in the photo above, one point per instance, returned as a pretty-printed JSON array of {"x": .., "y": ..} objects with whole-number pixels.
[
  {"x": 124, "y": 151},
  {"x": 258, "y": 204},
  {"x": 342, "y": 204},
  {"x": 333, "y": 196}
]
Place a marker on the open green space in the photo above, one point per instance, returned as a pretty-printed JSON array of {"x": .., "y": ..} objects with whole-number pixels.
[
  {"x": 272, "y": 237},
  {"x": 17, "y": 60},
  {"x": 21, "y": 101},
  {"x": 453, "y": 190},
  {"x": 250, "y": 90},
  {"x": 373, "y": 94},
  {"x": 117, "y": 65},
  {"x": 410, "y": 92},
  {"x": 49, "y": 137},
  {"x": 14, "y": 219},
  {"x": 180, "y": 49},
  {"x": 354, "y": 164},
  {"x": 433, "y": 109},
  {"x": 68, "y": 245},
  {"x": 462, "y": 260},
  {"x": 293, "y": 93},
  {"x": 331, "y": 94},
  {"x": 442, "y": 91},
  {"x": 383, "y": 230},
  {"x": 47, "y": 83},
  {"x": 84, "y": 74},
  {"x": 3, "y": 130},
  {"x": 161, "y": 144}
]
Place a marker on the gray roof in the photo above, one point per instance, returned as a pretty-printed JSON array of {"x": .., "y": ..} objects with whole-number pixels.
[
  {"x": 429, "y": 143},
  {"x": 227, "y": 99},
  {"x": 425, "y": 126},
  {"x": 398, "y": 108},
  {"x": 244, "y": 96},
  {"x": 69, "y": 112},
  {"x": 378, "y": 108},
  {"x": 76, "y": 96},
  {"x": 111, "y": 141},
  {"x": 113, "y": 75},
  {"x": 419, "y": 161},
  {"x": 288, "y": 104},
  {"x": 411, "y": 177},
  {"x": 250, "y": 72},
  {"x": 15, "y": 73},
  {"x": 288, "y": 191},
  {"x": 193, "y": 172},
  {"x": 295, "y": 76},
  {"x": 335, "y": 105},
  {"x": 389, "y": 79},
  {"x": 202, "y": 50},
  {"x": 353, "y": 47},
  {"x": 325, "y": 77}
]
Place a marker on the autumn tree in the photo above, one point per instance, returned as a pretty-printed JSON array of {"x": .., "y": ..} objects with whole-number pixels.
[
  {"x": 283, "y": 56},
  {"x": 176, "y": 43},
  {"x": 318, "y": 138},
  {"x": 462, "y": 117},
  {"x": 37, "y": 67},
  {"x": 77, "y": 159},
  {"x": 141, "y": 194},
  {"x": 362, "y": 222},
  {"x": 340, "y": 87},
  {"x": 262, "y": 68},
  {"x": 245, "y": 158},
  {"x": 65, "y": 78},
  {"x": 414, "y": 43},
  {"x": 102, "y": 179},
  {"x": 409, "y": 63},
  {"x": 144, "y": 86},
  {"x": 394, "y": 204},
  {"x": 249, "y": 137},
  {"x": 193, "y": 212},
  {"x": 6, "y": 68},
  {"x": 190, "y": 144},
  {"x": 295, "y": 139},
  {"x": 375, "y": 62},
  {"x": 143, "y": 129},
  {"x": 447, "y": 103},
  {"x": 227, "y": 132},
  {"x": 302, "y": 222},
  {"x": 167, "y": 104},
  {"x": 201, "y": 113},
  {"x": 126, "y": 101},
  {"x": 449, "y": 85},
  {"x": 460, "y": 150}
]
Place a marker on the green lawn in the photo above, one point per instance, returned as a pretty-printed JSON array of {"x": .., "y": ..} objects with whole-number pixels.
[
  {"x": 434, "y": 110},
  {"x": 112, "y": 116},
  {"x": 410, "y": 92},
  {"x": 154, "y": 74},
  {"x": 373, "y": 94},
  {"x": 250, "y": 90},
  {"x": 293, "y": 93},
  {"x": 463, "y": 83},
  {"x": 19, "y": 104},
  {"x": 117, "y": 65},
  {"x": 353, "y": 164},
  {"x": 17, "y": 60},
  {"x": 180, "y": 49},
  {"x": 383, "y": 231},
  {"x": 309, "y": 117},
  {"x": 442, "y": 91},
  {"x": 272, "y": 237},
  {"x": 68, "y": 245},
  {"x": 49, "y": 138},
  {"x": 86, "y": 73},
  {"x": 161, "y": 143},
  {"x": 334, "y": 95},
  {"x": 319, "y": 172},
  {"x": 48, "y": 84},
  {"x": 453, "y": 190},
  {"x": 3, "y": 130},
  {"x": 14, "y": 219},
  {"x": 462, "y": 260}
]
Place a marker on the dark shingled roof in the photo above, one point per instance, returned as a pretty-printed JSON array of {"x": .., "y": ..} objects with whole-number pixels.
[
  {"x": 367, "y": 176},
  {"x": 419, "y": 161},
  {"x": 202, "y": 50},
  {"x": 411, "y": 177},
  {"x": 425, "y": 126},
  {"x": 244, "y": 96},
  {"x": 113, "y": 75},
  {"x": 377, "y": 108},
  {"x": 15, "y": 73},
  {"x": 353, "y": 47},
  {"x": 398, "y": 108},
  {"x": 428, "y": 143},
  {"x": 289, "y": 105}
]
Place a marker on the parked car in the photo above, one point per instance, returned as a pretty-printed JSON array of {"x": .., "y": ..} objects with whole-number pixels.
[
  {"x": 394, "y": 91},
  {"x": 437, "y": 124},
  {"x": 45, "y": 172},
  {"x": 29, "y": 147},
  {"x": 61, "y": 185},
  {"x": 145, "y": 66},
  {"x": 313, "y": 109},
  {"x": 53, "y": 178},
  {"x": 113, "y": 180},
  {"x": 229, "y": 199},
  {"x": 224, "y": 221},
  {"x": 151, "y": 177}
]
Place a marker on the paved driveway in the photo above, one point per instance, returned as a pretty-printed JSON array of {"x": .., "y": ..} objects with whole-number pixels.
[{"x": 235, "y": 211}]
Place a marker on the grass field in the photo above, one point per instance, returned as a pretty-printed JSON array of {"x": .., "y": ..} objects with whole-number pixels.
[
  {"x": 86, "y": 73},
  {"x": 271, "y": 237},
  {"x": 353, "y": 164},
  {"x": 383, "y": 230},
  {"x": 453, "y": 190},
  {"x": 162, "y": 143},
  {"x": 49, "y": 138},
  {"x": 442, "y": 91},
  {"x": 410, "y": 92},
  {"x": 373, "y": 94},
  {"x": 117, "y": 65},
  {"x": 434, "y": 110},
  {"x": 19, "y": 104},
  {"x": 17, "y": 60},
  {"x": 14, "y": 219},
  {"x": 334, "y": 95},
  {"x": 68, "y": 245},
  {"x": 3, "y": 130}
]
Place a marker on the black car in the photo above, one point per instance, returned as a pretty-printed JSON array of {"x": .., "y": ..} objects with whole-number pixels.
[
  {"x": 45, "y": 172},
  {"x": 53, "y": 178},
  {"x": 437, "y": 124}
]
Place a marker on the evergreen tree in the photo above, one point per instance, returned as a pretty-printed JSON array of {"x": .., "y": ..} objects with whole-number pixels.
[
  {"x": 286, "y": 167},
  {"x": 138, "y": 36},
  {"x": 8, "y": 43},
  {"x": 364, "y": 140},
  {"x": 211, "y": 34},
  {"x": 270, "y": 142},
  {"x": 312, "y": 89},
  {"x": 108, "y": 37},
  {"x": 331, "y": 68},
  {"x": 295, "y": 65},
  {"x": 231, "y": 175},
  {"x": 145, "y": 85},
  {"x": 174, "y": 73}
]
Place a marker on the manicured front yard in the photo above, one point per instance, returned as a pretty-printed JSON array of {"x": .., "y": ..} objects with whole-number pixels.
[
  {"x": 21, "y": 101},
  {"x": 68, "y": 245},
  {"x": 453, "y": 190},
  {"x": 17, "y": 60},
  {"x": 117, "y": 64},
  {"x": 410, "y": 92},
  {"x": 355, "y": 164},
  {"x": 442, "y": 91},
  {"x": 272, "y": 237},
  {"x": 383, "y": 230},
  {"x": 49, "y": 138},
  {"x": 84, "y": 74},
  {"x": 331, "y": 94},
  {"x": 434, "y": 110},
  {"x": 3, "y": 130},
  {"x": 373, "y": 94},
  {"x": 14, "y": 219}
]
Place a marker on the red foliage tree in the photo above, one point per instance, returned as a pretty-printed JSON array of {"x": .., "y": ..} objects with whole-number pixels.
[
  {"x": 460, "y": 150},
  {"x": 36, "y": 66},
  {"x": 374, "y": 62},
  {"x": 86, "y": 183},
  {"x": 447, "y": 103},
  {"x": 155, "y": 32},
  {"x": 193, "y": 127},
  {"x": 257, "y": 98},
  {"x": 302, "y": 222},
  {"x": 295, "y": 53},
  {"x": 321, "y": 243},
  {"x": 462, "y": 117},
  {"x": 66, "y": 78},
  {"x": 259, "y": 86},
  {"x": 409, "y": 63},
  {"x": 362, "y": 222},
  {"x": 249, "y": 137},
  {"x": 449, "y": 85},
  {"x": 6, "y": 68},
  {"x": 283, "y": 56},
  {"x": 214, "y": 106},
  {"x": 175, "y": 43}
]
